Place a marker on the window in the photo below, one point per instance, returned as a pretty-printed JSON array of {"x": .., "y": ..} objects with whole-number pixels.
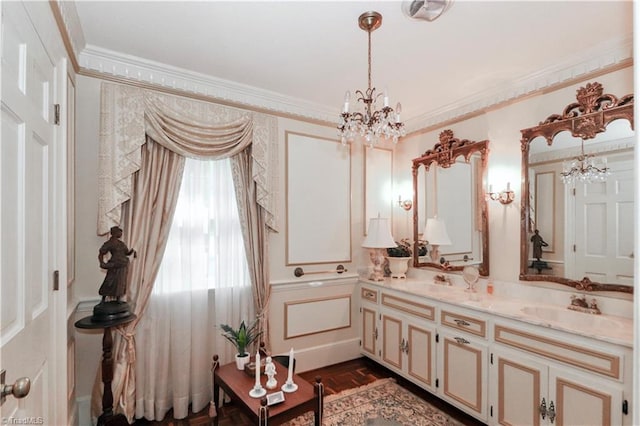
[{"x": 205, "y": 249}]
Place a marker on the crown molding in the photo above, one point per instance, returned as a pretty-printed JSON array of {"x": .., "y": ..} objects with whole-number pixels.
[
  {"x": 607, "y": 147},
  {"x": 603, "y": 58},
  {"x": 133, "y": 68}
]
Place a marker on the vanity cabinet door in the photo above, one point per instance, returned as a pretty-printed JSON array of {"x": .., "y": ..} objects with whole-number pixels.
[
  {"x": 463, "y": 372},
  {"x": 518, "y": 389},
  {"x": 421, "y": 354},
  {"x": 527, "y": 390},
  {"x": 581, "y": 400},
  {"x": 393, "y": 341},
  {"x": 368, "y": 322},
  {"x": 369, "y": 331}
]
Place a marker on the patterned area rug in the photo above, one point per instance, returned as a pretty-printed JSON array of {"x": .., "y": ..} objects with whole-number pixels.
[{"x": 382, "y": 403}]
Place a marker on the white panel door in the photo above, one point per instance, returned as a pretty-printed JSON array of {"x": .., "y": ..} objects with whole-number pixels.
[
  {"x": 605, "y": 226},
  {"x": 27, "y": 219}
]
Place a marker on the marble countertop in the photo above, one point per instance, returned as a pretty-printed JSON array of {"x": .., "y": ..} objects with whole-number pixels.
[{"x": 607, "y": 328}]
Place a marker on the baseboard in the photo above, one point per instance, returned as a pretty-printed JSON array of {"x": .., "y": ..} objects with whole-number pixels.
[
  {"x": 84, "y": 410},
  {"x": 324, "y": 355}
]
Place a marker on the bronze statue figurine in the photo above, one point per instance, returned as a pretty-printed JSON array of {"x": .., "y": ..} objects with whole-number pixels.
[
  {"x": 114, "y": 285},
  {"x": 538, "y": 243}
]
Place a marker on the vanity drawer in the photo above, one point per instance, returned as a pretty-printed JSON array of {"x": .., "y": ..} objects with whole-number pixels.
[
  {"x": 466, "y": 323},
  {"x": 579, "y": 356},
  {"x": 368, "y": 294},
  {"x": 412, "y": 307}
]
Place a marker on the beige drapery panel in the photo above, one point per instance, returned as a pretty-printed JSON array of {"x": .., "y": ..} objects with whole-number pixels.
[
  {"x": 183, "y": 135},
  {"x": 254, "y": 235},
  {"x": 147, "y": 223}
]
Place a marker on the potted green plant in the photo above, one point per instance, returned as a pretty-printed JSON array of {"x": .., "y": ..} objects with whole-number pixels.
[
  {"x": 241, "y": 338},
  {"x": 398, "y": 258}
]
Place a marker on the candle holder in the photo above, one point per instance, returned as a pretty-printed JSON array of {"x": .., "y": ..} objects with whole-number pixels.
[
  {"x": 289, "y": 386},
  {"x": 258, "y": 391}
]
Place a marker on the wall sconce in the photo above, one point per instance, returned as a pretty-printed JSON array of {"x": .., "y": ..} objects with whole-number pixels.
[
  {"x": 505, "y": 197},
  {"x": 405, "y": 204}
]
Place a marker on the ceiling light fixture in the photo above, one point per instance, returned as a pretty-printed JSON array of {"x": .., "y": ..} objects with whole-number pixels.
[
  {"x": 371, "y": 123},
  {"x": 428, "y": 10},
  {"x": 585, "y": 168}
]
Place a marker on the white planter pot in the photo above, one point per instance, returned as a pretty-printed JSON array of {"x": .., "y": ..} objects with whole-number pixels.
[
  {"x": 398, "y": 266},
  {"x": 241, "y": 361}
]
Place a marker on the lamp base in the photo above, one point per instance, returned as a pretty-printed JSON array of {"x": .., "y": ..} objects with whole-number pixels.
[
  {"x": 434, "y": 254},
  {"x": 377, "y": 258}
]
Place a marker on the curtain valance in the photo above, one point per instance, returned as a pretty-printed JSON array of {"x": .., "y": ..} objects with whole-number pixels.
[{"x": 188, "y": 127}]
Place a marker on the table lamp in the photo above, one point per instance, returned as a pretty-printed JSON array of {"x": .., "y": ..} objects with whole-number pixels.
[
  {"x": 378, "y": 238},
  {"x": 435, "y": 233}
]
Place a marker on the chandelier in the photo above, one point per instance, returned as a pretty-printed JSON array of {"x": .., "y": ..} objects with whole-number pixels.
[
  {"x": 585, "y": 168},
  {"x": 371, "y": 123}
]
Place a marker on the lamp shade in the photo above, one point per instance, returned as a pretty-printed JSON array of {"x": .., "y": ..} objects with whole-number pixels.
[
  {"x": 436, "y": 232},
  {"x": 379, "y": 234}
]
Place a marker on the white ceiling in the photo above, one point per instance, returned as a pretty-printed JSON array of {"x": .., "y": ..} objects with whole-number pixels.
[{"x": 306, "y": 54}]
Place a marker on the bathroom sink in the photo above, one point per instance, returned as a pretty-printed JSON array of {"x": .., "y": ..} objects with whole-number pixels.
[
  {"x": 568, "y": 317},
  {"x": 478, "y": 303}
]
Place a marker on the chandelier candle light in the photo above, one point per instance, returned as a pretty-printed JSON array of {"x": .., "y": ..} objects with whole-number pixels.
[
  {"x": 371, "y": 123},
  {"x": 584, "y": 168}
]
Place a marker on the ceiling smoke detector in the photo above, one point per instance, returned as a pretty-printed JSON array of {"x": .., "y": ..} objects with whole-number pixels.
[{"x": 428, "y": 10}]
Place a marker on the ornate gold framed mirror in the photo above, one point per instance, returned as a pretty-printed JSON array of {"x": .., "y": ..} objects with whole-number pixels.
[
  {"x": 450, "y": 205},
  {"x": 577, "y": 194}
]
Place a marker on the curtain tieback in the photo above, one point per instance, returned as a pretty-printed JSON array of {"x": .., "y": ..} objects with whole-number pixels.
[{"x": 131, "y": 347}]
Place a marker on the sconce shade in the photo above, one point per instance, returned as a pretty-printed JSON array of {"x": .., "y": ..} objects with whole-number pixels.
[
  {"x": 435, "y": 232},
  {"x": 379, "y": 234}
]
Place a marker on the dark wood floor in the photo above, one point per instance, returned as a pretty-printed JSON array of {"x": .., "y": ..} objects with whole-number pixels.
[{"x": 336, "y": 378}]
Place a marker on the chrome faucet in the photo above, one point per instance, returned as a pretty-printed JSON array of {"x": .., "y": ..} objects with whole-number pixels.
[
  {"x": 580, "y": 304},
  {"x": 442, "y": 279}
]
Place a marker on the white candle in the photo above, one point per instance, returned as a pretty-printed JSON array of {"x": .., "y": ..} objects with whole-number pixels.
[
  {"x": 290, "y": 371},
  {"x": 347, "y": 95},
  {"x": 508, "y": 186},
  {"x": 257, "y": 369}
]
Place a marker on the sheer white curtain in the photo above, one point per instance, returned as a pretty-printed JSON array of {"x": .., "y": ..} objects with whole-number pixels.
[{"x": 203, "y": 282}]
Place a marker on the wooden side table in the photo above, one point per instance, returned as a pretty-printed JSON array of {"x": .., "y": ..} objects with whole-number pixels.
[
  {"x": 237, "y": 384},
  {"x": 107, "y": 418}
]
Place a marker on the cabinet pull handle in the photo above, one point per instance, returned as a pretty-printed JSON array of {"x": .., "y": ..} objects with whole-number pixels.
[
  {"x": 375, "y": 333},
  {"x": 368, "y": 294},
  {"x": 461, "y": 322},
  {"x": 406, "y": 347},
  {"x": 402, "y": 346},
  {"x": 462, "y": 340},
  {"x": 552, "y": 412},
  {"x": 543, "y": 408}
]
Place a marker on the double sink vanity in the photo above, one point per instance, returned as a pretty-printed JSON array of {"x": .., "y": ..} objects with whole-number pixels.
[
  {"x": 507, "y": 358},
  {"x": 502, "y": 360}
]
